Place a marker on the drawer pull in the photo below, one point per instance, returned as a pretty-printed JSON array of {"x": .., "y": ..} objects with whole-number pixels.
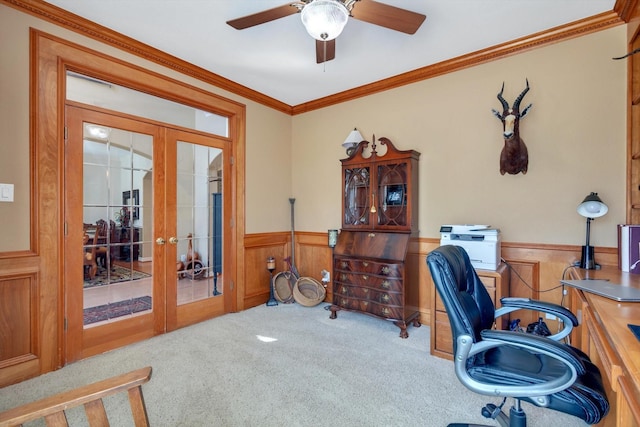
[
  {"x": 385, "y": 284},
  {"x": 345, "y": 264},
  {"x": 365, "y": 264},
  {"x": 385, "y": 298},
  {"x": 386, "y": 269},
  {"x": 344, "y": 302},
  {"x": 365, "y": 277},
  {"x": 365, "y": 290},
  {"x": 372, "y": 235},
  {"x": 343, "y": 277},
  {"x": 345, "y": 290},
  {"x": 365, "y": 303},
  {"x": 385, "y": 311}
]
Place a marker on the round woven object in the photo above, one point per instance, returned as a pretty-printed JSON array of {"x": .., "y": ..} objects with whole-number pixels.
[
  {"x": 308, "y": 292},
  {"x": 283, "y": 286}
]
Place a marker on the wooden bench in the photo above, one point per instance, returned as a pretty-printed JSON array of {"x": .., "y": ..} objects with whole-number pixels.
[{"x": 52, "y": 408}]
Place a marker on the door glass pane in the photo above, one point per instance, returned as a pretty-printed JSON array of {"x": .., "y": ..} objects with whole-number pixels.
[
  {"x": 199, "y": 221},
  {"x": 117, "y": 217}
]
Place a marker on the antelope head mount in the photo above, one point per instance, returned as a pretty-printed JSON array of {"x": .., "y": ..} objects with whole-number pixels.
[{"x": 514, "y": 157}]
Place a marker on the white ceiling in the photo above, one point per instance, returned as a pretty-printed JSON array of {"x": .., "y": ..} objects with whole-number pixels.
[{"x": 278, "y": 58}]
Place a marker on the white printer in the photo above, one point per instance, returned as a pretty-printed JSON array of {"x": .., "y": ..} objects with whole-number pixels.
[{"x": 481, "y": 242}]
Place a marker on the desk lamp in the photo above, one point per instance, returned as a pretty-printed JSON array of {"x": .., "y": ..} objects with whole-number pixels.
[{"x": 591, "y": 207}]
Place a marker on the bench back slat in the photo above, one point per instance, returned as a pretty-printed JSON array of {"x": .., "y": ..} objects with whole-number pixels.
[{"x": 52, "y": 408}]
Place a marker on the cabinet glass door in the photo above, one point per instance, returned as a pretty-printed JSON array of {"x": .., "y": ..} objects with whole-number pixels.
[
  {"x": 357, "y": 192},
  {"x": 392, "y": 195}
]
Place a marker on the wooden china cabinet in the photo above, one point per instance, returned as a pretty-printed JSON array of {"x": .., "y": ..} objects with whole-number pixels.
[{"x": 379, "y": 216}]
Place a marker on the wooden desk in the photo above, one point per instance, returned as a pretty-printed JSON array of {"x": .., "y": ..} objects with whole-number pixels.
[{"x": 603, "y": 334}]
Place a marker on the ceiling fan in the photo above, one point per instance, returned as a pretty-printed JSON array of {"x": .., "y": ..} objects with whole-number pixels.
[{"x": 325, "y": 19}]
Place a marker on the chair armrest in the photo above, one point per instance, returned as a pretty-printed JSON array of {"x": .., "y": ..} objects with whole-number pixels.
[
  {"x": 544, "y": 306},
  {"x": 536, "y": 344},
  {"x": 511, "y": 304}
]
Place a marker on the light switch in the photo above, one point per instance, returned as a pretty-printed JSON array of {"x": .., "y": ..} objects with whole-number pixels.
[{"x": 6, "y": 192}]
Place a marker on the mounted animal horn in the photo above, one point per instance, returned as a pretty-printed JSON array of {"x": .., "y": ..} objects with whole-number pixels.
[
  {"x": 505, "y": 104},
  {"x": 516, "y": 103}
]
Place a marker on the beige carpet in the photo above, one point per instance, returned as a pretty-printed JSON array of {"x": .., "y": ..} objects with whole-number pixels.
[{"x": 287, "y": 365}]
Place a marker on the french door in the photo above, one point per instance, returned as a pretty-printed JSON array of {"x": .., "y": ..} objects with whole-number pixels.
[{"x": 140, "y": 229}]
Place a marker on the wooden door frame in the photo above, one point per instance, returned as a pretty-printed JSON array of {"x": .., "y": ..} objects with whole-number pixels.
[{"x": 51, "y": 58}]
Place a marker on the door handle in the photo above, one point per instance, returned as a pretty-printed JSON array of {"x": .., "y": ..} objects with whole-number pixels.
[
  {"x": 173, "y": 240},
  {"x": 160, "y": 241}
]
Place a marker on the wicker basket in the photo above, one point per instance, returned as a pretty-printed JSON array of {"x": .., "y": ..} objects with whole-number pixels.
[
  {"x": 283, "y": 283},
  {"x": 308, "y": 292}
]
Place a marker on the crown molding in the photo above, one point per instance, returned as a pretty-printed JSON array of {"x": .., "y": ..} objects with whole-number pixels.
[
  {"x": 75, "y": 23},
  {"x": 561, "y": 33},
  {"x": 623, "y": 11}
]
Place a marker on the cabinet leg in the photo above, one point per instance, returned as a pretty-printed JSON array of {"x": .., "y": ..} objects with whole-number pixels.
[
  {"x": 403, "y": 328},
  {"x": 416, "y": 321},
  {"x": 334, "y": 309}
]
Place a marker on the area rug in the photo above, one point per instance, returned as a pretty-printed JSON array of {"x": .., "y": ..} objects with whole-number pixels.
[
  {"x": 116, "y": 309},
  {"x": 118, "y": 274}
]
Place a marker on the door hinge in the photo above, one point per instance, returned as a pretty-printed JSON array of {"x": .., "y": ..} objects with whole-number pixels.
[
  {"x": 231, "y": 285},
  {"x": 231, "y": 160},
  {"x": 65, "y": 323},
  {"x": 66, "y": 229},
  {"x": 66, "y": 133}
]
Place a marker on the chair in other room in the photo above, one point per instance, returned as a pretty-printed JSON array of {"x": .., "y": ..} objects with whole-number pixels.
[
  {"x": 90, "y": 237},
  {"x": 542, "y": 371},
  {"x": 104, "y": 233}
]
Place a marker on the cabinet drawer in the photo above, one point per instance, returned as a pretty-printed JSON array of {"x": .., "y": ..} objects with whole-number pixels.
[
  {"x": 369, "y": 267},
  {"x": 600, "y": 350},
  {"x": 370, "y": 281},
  {"x": 382, "y": 297},
  {"x": 381, "y": 310},
  {"x": 443, "y": 338},
  {"x": 488, "y": 282}
]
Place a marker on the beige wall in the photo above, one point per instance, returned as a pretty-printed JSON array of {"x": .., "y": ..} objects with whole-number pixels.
[
  {"x": 268, "y": 135},
  {"x": 575, "y": 134}
]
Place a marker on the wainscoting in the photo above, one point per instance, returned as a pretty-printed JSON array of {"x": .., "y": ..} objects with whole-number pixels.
[{"x": 535, "y": 269}]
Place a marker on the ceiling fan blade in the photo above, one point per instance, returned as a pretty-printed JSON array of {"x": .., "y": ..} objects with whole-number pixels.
[
  {"x": 387, "y": 16},
  {"x": 325, "y": 51},
  {"x": 263, "y": 17}
]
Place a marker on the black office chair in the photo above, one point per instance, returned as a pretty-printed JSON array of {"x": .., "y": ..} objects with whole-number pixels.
[{"x": 530, "y": 368}]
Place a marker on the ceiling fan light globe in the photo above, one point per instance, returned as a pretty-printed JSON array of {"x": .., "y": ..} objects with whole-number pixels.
[{"x": 324, "y": 19}]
